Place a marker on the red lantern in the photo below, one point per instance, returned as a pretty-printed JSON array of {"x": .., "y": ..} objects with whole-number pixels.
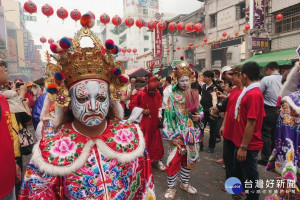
[
  {"x": 199, "y": 27},
  {"x": 145, "y": 56},
  {"x": 75, "y": 15},
  {"x": 197, "y": 46},
  {"x": 151, "y": 25},
  {"x": 151, "y": 54},
  {"x": 116, "y": 20},
  {"x": 140, "y": 23},
  {"x": 168, "y": 50},
  {"x": 162, "y": 25},
  {"x": 30, "y": 7},
  {"x": 50, "y": 40},
  {"x": 91, "y": 13},
  {"x": 247, "y": 27},
  {"x": 129, "y": 50},
  {"x": 190, "y": 27},
  {"x": 221, "y": 39},
  {"x": 224, "y": 34},
  {"x": 123, "y": 50},
  {"x": 213, "y": 42},
  {"x": 129, "y": 21},
  {"x": 134, "y": 50},
  {"x": 62, "y": 13},
  {"x": 205, "y": 40},
  {"x": 228, "y": 37},
  {"x": 202, "y": 45},
  {"x": 180, "y": 26},
  {"x": 236, "y": 34},
  {"x": 47, "y": 10},
  {"x": 279, "y": 17},
  {"x": 173, "y": 26},
  {"x": 178, "y": 48},
  {"x": 182, "y": 48},
  {"x": 43, "y": 40},
  {"x": 104, "y": 18},
  {"x": 244, "y": 30},
  {"x": 191, "y": 44}
]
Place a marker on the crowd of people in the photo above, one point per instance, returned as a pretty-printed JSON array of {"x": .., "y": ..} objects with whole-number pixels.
[{"x": 84, "y": 150}]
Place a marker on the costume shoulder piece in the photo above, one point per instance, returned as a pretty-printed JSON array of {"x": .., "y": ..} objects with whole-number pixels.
[
  {"x": 65, "y": 151},
  {"x": 293, "y": 100}
]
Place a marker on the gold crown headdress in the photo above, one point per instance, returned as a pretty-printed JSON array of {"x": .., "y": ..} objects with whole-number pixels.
[
  {"x": 78, "y": 63},
  {"x": 183, "y": 69}
]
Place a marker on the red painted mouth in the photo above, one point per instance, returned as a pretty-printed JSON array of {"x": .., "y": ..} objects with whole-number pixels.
[{"x": 85, "y": 118}]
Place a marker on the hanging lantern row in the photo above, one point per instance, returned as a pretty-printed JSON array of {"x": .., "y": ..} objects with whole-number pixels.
[{"x": 26, "y": 61}]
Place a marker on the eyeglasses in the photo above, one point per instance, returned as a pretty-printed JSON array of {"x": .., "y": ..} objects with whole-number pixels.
[{"x": 3, "y": 64}]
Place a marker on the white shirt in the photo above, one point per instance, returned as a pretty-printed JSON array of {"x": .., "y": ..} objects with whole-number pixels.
[{"x": 167, "y": 92}]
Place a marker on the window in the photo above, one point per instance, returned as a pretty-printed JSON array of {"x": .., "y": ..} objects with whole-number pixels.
[
  {"x": 290, "y": 21},
  {"x": 201, "y": 63},
  {"x": 146, "y": 37},
  {"x": 213, "y": 21},
  {"x": 145, "y": 11},
  {"x": 146, "y": 49},
  {"x": 229, "y": 56},
  {"x": 240, "y": 10}
]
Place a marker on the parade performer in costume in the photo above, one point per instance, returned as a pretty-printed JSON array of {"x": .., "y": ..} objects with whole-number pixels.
[
  {"x": 182, "y": 129},
  {"x": 284, "y": 160},
  {"x": 146, "y": 104},
  {"x": 92, "y": 154}
]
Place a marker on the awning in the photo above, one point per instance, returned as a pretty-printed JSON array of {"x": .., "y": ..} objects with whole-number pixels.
[
  {"x": 156, "y": 69},
  {"x": 284, "y": 57},
  {"x": 137, "y": 72}
]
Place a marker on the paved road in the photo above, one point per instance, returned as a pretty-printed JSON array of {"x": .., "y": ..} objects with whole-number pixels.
[{"x": 208, "y": 176}]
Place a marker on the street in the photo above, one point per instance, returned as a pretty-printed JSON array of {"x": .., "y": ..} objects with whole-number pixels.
[{"x": 207, "y": 177}]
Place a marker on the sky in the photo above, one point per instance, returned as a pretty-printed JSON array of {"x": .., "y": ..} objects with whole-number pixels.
[{"x": 55, "y": 28}]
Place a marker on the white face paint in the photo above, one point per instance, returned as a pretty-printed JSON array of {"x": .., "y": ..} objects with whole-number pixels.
[
  {"x": 90, "y": 101},
  {"x": 184, "y": 82}
]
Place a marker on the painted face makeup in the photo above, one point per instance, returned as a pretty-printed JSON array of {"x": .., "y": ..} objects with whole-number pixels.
[
  {"x": 90, "y": 101},
  {"x": 184, "y": 82}
]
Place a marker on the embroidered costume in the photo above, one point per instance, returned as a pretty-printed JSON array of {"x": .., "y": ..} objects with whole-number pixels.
[{"x": 68, "y": 164}]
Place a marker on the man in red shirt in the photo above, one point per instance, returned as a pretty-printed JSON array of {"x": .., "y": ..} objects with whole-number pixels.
[
  {"x": 10, "y": 172},
  {"x": 249, "y": 114},
  {"x": 29, "y": 95}
]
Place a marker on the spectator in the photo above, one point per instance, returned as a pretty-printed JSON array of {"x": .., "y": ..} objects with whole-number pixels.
[
  {"x": 206, "y": 102},
  {"x": 166, "y": 93},
  {"x": 196, "y": 85},
  {"x": 129, "y": 91},
  {"x": 10, "y": 171},
  {"x": 270, "y": 87},
  {"x": 225, "y": 73},
  {"x": 29, "y": 95},
  {"x": 248, "y": 114},
  {"x": 200, "y": 79}
]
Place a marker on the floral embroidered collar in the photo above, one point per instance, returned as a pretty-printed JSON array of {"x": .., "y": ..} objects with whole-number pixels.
[
  {"x": 178, "y": 96},
  {"x": 67, "y": 150}
]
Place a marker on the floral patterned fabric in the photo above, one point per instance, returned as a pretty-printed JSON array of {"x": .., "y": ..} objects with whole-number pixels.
[
  {"x": 285, "y": 157},
  {"x": 69, "y": 165}
]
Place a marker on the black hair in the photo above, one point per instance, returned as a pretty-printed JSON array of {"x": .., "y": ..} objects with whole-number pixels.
[
  {"x": 169, "y": 79},
  {"x": 132, "y": 77},
  {"x": 216, "y": 72},
  {"x": 252, "y": 70},
  {"x": 272, "y": 66},
  {"x": 229, "y": 82},
  {"x": 208, "y": 74},
  {"x": 196, "y": 74}
]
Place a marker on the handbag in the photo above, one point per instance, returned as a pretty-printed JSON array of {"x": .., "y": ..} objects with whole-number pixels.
[{"x": 26, "y": 140}]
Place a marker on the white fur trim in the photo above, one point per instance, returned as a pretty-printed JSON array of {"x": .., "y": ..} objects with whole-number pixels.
[
  {"x": 59, "y": 115},
  {"x": 43, "y": 166},
  {"x": 291, "y": 82},
  {"x": 123, "y": 157},
  {"x": 54, "y": 170},
  {"x": 46, "y": 108},
  {"x": 171, "y": 156},
  {"x": 292, "y": 104},
  {"x": 118, "y": 109}
]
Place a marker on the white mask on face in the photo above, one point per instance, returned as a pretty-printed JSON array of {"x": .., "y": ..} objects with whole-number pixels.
[
  {"x": 184, "y": 82},
  {"x": 90, "y": 101}
]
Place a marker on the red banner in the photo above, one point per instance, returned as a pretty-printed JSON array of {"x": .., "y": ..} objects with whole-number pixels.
[
  {"x": 158, "y": 42},
  {"x": 155, "y": 63}
]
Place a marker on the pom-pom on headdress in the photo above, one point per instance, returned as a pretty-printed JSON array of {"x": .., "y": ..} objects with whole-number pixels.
[
  {"x": 75, "y": 63},
  {"x": 183, "y": 69}
]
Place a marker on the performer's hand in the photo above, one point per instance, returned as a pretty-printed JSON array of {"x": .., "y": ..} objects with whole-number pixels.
[
  {"x": 196, "y": 118},
  {"x": 18, "y": 174},
  {"x": 146, "y": 112},
  {"x": 241, "y": 155},
  {"x": 176, "y": 142},
  {"x": 221, "y": 130}
]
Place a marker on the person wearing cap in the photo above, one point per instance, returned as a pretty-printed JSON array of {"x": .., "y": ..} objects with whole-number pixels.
[
  {"x": 29, "y": 95},
  {"x": 228, "y": 122},
  {"x": 147, "y": 103}
]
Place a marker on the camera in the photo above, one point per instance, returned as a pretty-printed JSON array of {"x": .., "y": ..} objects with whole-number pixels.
[{"x": 18, "y": 84}]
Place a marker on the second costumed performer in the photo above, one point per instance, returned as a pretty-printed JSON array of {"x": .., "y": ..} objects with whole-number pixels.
[{"x": 181, "y": 127}]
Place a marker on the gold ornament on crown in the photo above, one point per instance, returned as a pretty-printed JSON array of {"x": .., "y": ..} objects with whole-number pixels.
[
  {"x": 84, "y": 63},
  {"x": 183, "y": 69}
]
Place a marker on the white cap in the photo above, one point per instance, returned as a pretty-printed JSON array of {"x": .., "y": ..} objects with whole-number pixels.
[{"x": 225, "y": 69}]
